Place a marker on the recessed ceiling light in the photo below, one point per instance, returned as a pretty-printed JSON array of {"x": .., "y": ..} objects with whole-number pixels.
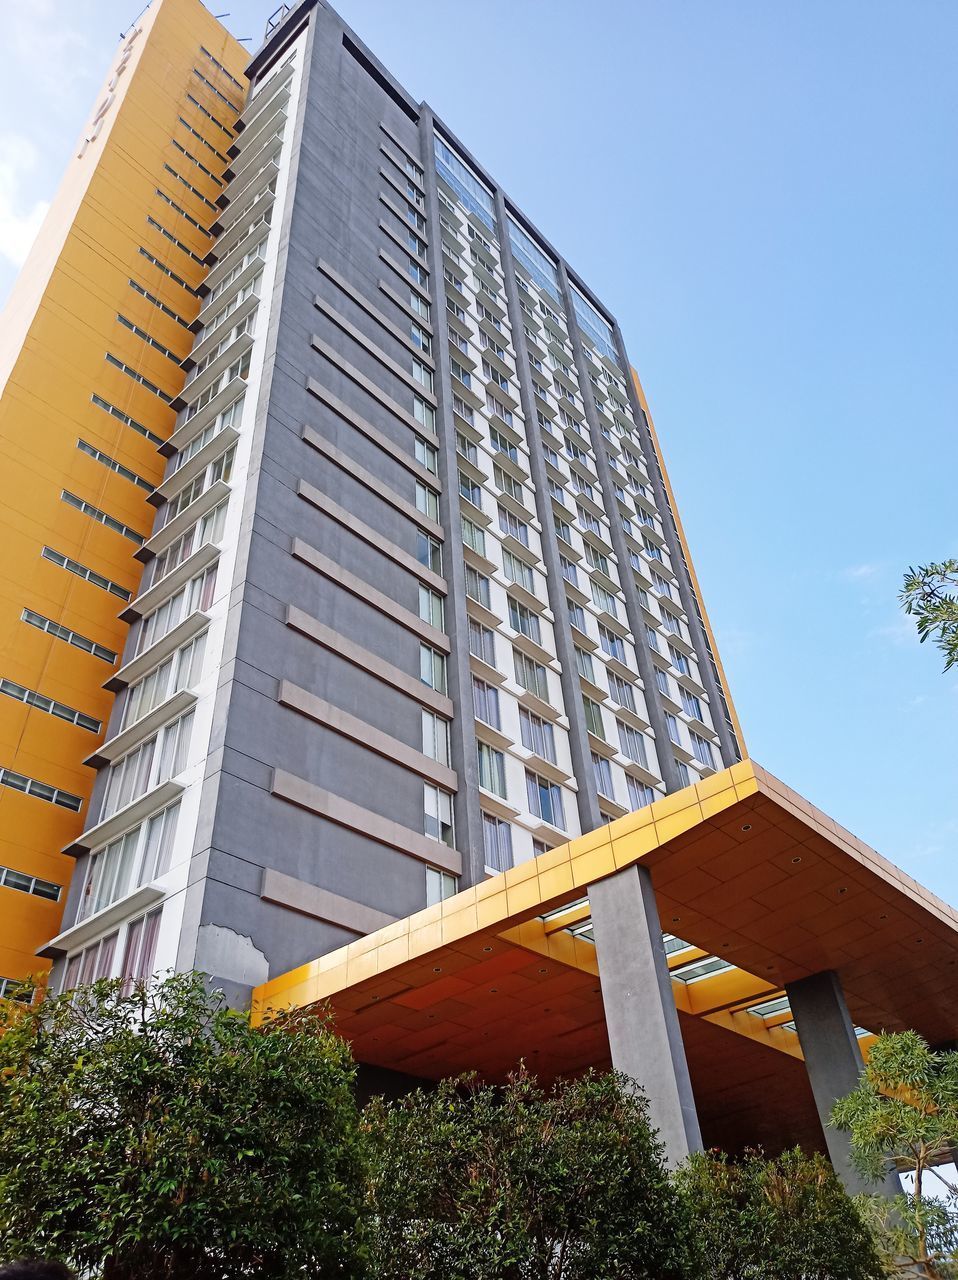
[
  {"x": 543, "y": 970},
  {"x": 796, "y": 860},
  {"x": 747, "y": 826},
  {"x": 676, "y": 919},
  {"x": 487, "y": 948},
  {"x": 438, "y": 969},
  {"x": 843, "y": 890},
  {"x": 493, "y": 991}
]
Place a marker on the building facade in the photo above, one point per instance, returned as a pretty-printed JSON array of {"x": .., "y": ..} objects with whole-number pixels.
[
  {"x": 91, "y": 347},
  {"x": 416, "y": 606}
]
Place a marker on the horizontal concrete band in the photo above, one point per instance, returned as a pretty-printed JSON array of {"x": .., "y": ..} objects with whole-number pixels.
[
  {"x": 352, "y": 727},
  {"x": 306, "y": 795},
  {"x": 316, "y": 498},
  {"x": 366, "y": 478},
  {"x": 313, "y": 629},
  {"x": 356, "y": 586},
  {"x": 310, "y": 900}
]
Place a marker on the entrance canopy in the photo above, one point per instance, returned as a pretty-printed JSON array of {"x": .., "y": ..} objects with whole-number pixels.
[{"x": 755, "y": 889}]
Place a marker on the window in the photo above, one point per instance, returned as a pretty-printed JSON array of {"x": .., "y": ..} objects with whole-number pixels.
[
  {"x": 496, "y": 842},
  {"x": 466, "y": 447},
  {"x": 583, "y": 664},
  {"x": 662, "y": 680},
  {"x": 531, "y": 675},
  {"x": 595, "y": 558},
  {"x": 651, "y": 549},
  {"x": 640, "y": 793},
  {"x": 477, "y": 586},
  {"x": 24, "y": 883},
  {"x": 473, "y": 537},
  {"x": 197, "y": 594},
  {"x": 576, "y": 616},
  {"x": 682, "y": 770},
  {"x": 622, "y": 691},
  {"x": 437, "y": 814},
  {"x": 220, "y": 468},
  {"x": 679, "y": 661},
  {"x": 154, "y": 761},
  {"x": 134, "y": 859},
  {"x": 603, "y": 776},
  {"x": 523, "y": 620},
  {"x": 545, "y": 800},
  {"x": 432, "y": 607},
  {"x": 652, "y": 636},
  {"x": 432, "y": 668},
  {"x": 518, "y": 571},
  {"x": 588, "y": 520},
  {"x": 439, "y": 885},
  {"x": 673, "y": 727},
  {"x": 485, "y": 702},
  {"x": 691, "y": 704},
  {"x": 564, "y": 531},
  {"x": 464, "y": 376},
  {"x": 429, "y": 551},
  {"x": 140, "y": 951},
  {"x": 112, "y": 465},
  {"x": 64, "y": 633},
  {"x": 538, "y": 735},
  {"x": 178, "y": 672},
  {"x": 558, "y": 493},
  {"x": 671, "y": 622},
  {"x": 49, "y": 705},
  {"x": 569, "y": 571},
  {"x": 512, "y": 526},
  {"x": 632, "y": 743},
  {"x": 427, "y": 455},
  {"x": 470, "y": 490},
  {"x": 435, "y": 737},
  {"x": 492, "y": 770},
  {"x": 418, "y": 304},
  {"x": 612, "y": 644},
  {"x": 508, "y": 484},
  {"x": 91, "y": 964},
  {"x": 502, "y": 444},
  {"x": 209, "y": 529},
  {"x": 603, "y": 600},
  {"x": 420, "y": 337},
  {"x": 482, "y": 643},
  {"x": 89, "y": 575},
  {"x": 424, "y": 414},
  {"x": 101, "y": 517},
  {"x": 427, "y": 501},
  {"x": 125, "y": 418},
  {"x": 593, "y": 718},
  {"x": 702, "y": 750}
]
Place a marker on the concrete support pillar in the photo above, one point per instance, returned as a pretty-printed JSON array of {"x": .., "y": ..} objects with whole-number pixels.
[
  {"x": 834, "y": 1062},
  {"x": 640, "y": 1013}
]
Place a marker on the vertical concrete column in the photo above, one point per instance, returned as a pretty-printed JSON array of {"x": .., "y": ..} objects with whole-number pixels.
[
  {"x": 640, "y": 1013},
  {"x": 833, "y": 1061}
]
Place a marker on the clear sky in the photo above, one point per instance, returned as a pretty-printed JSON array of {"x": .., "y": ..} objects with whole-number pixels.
[{"x": 765, "y": 195}]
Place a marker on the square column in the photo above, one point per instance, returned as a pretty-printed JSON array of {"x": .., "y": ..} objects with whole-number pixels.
[
  {"x": 640, "y": 1013},
  {"x": 834, "y": 1064}
]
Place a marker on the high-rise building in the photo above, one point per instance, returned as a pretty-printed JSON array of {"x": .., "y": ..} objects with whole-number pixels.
[
  {"x": 91, "y": 351},
  {"x": 416, "y": 603}
]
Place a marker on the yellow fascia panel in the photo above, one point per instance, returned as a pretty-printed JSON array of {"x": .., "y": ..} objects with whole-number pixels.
[{"x": 688, "y": 559}]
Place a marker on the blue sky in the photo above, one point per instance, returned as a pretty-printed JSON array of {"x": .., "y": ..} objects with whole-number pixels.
[{"x": 765, "y": 195}]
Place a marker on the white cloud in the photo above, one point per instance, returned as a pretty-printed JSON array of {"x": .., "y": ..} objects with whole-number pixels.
[
  {"x": 861, "y": 572},
  {"x": 19, "y": 218},
  {"x": 59, "y": 55}
]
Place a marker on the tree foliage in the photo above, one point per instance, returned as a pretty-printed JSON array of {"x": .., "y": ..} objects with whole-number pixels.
[
  {"x": 904, "y": 1115},
  {"x": 523, "y": 1183},
  {"x": 157, "y": 1134},
  {"x": 930, "y": 594},
  {"x": 782, "y": 1219}
]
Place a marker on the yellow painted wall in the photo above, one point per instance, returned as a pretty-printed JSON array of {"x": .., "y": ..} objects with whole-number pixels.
[{"x": 54, "y": 334}]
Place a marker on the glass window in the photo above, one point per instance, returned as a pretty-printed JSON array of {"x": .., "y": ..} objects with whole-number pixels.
[
  {"x": 622, "y": 691},
  {"x": 613, "y": 644},
  {"x": 691, "y": 704},
  {"x": 702, "y": 750},
  {"x": 511, "y": 526},
  {"x": 603, "y": 776},
  {"x": 427, "y": 500},
  {"x": 632, "y": 743},
  {"x": 435, "y": 737},
  {"x": 429, "y": 551},
  {"x": 470, "y": 490},
  {"x": 439, "y": 885},
  {"x": 545, "y": 800},
  {"x": 477, "y": 586},
  {"x": 432, "y": 608},
  {"x": 482, "y": 642},
  {"x": 427, "y": 455},
  {"x": 497, "y": 842},
  {"x": 473, "y": 536},
  {"x": 593, "y": 718},
  {"x": 640, "y": 793},
  {"x": 432, "y": 668},
  {"x": 577, "y": 616},
  {"x": 583, "y": 664},
  {"x": 437, "y": 813},
  {"x": 523, "y": 620},
  {"x": 673, "y": 727},
  {"x": 492, "y": 769},
  {"x": 531, "y": 675},
  {"x": 485, "y": 702},
  {"x": 518, "y": 571},
  {"x": 538, "y": 735}
]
